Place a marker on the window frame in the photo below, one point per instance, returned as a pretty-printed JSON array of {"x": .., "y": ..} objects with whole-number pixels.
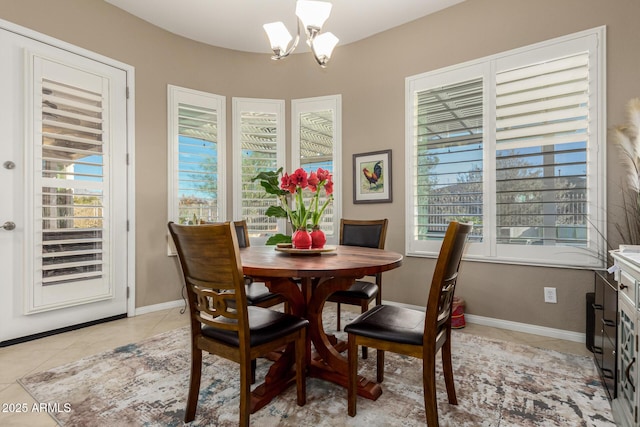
[{"x": 488, "y": 250}]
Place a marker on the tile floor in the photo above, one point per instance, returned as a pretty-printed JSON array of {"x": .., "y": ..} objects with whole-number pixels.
[{"x": 35, "y": 356}]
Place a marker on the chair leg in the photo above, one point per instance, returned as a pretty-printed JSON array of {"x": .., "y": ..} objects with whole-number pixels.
[
  {"x": 338, "y": 316},
  {"x": 194, "y": 384},
  {"x": 429, "y": 388},
  {"x": 301, "y": 379},
  {"x": 352, "y": 380},
  {"x": 447, "y": 369},
  {"x": 379, "y": 366},
  {"x": 253, "y": 371},
  {"x": 245, "y": 392},
  {"x": 363, "y": 308}
]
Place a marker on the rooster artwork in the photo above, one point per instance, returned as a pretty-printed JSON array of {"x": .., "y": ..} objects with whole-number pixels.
[{"x": 373, "y": 176}]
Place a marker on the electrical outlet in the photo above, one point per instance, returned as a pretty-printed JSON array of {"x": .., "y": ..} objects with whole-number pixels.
[{"x": 550, "y": 295}]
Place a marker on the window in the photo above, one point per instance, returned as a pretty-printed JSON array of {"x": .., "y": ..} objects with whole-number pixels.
[
  {"x": 316, "y": 143},
  {"x": 196, "y": 156},
  {"x": 258, "y": 145},
  {"x": 513, "y": 143}
]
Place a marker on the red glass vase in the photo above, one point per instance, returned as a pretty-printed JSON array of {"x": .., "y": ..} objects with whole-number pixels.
[
  {"x": 301, "y": 239},
  {"x": 318, "y": 238}
]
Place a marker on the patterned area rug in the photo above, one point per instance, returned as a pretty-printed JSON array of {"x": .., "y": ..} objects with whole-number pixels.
[{"x": 498, "y": 384}]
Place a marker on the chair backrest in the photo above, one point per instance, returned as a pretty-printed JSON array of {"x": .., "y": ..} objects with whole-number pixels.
[
  {"x": 443, "y": 284},
  {"x": 243, "y": 233},
  {"x": 366, "y": 233},
  {"x": 212, "y": 272},
  {"x": 241, "y": 230}
]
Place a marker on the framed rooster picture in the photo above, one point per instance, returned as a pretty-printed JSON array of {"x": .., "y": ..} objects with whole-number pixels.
[{"x": 372, "y": 177}]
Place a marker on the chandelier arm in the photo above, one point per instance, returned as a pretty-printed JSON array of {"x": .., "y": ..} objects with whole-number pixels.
[
  {"x": 322, "y": 62},
  {"x": 291, "y": 49}
]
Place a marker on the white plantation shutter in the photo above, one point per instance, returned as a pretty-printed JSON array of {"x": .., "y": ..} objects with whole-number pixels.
[
  {"x": 259, "y": 153},
  {"x": 196, "y": 156},
  {"x": 543, "y": 104},
  {"x": 198, "y": 166},
  {"x": 72, "y": 184},
  {"x": 448, "y": 158},
  {"x": 258, "y": 142},
  {"x": 316, "y": 151},
  {"x": 316, "y": 142},
  {"x": 542, "y": 124}
]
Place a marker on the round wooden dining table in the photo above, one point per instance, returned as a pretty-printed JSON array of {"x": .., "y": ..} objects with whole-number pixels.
[{"x": 306, "y": 279}]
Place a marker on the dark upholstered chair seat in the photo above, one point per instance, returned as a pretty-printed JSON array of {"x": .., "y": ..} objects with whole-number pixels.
[
  {"x": 359, "y": 290},
  {"x": 390, "y": 323},
  {"x": 264, "y": 326},
  {"x": 258, "y": 294}
]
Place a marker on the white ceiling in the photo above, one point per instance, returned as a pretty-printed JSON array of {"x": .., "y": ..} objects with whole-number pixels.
[{"x": 237, "y": 24}]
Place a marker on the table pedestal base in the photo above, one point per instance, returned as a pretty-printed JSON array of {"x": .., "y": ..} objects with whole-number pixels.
[
  {"x": 306, "y": 299},
  {"x": 366, "y": 388},
  {"x": 265, "y": 392}
]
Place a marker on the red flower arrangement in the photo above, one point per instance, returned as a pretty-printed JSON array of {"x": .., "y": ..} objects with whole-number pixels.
[{"x": 300, "y": 216}]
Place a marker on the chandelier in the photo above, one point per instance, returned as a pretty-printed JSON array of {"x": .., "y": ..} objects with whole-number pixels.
[{"x": 312, "y": 15}]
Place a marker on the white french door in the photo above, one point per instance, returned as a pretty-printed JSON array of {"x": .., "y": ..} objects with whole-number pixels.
[{"x": 63, "y": 174}]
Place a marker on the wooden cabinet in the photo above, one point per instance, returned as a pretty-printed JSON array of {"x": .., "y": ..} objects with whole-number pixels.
[
  {"x": 605, "y": 311},
  {"x": 627, "y": 400}
]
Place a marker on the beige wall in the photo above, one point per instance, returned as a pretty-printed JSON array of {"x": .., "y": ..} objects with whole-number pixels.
[{"x": 370, "y": 76}]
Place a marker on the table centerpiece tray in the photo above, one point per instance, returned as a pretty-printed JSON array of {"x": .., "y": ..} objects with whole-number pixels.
[{"x": 288, "y": 249}]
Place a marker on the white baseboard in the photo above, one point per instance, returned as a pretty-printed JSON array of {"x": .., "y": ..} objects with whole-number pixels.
[
  {"x": 527, "y": 328},
  {"x": 512, "y": 326},
  {"x": 158, "y": 307}
]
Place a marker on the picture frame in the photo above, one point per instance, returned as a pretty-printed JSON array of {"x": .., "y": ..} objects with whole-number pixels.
[{"x": 372, "y": 177}]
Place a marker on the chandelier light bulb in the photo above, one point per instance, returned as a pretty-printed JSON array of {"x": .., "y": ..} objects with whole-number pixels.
[
  {"x": 313, "y": 14},
  {"x": 279, "y": 36},
  {"x": 323, "y": 46}
]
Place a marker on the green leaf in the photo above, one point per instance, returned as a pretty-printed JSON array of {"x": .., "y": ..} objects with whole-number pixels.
[
  {"x": 269, "y": 176},
  {"x": 270, "y": 188},
  {"x": 278, "y": 238},
  {"x": 276, "y": 211}
]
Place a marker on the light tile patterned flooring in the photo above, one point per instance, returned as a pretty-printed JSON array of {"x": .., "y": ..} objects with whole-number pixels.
[{"x": 35, "y": 356}]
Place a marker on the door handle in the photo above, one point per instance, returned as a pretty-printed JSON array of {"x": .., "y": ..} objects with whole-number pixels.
[{"x": 9, "y": 225}]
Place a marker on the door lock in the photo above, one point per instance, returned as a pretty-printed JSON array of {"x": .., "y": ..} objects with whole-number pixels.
[{"x": 9, "y": 225}]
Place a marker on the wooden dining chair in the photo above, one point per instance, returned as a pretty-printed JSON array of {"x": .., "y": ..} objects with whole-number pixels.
[
  {"x": 221, "y": 321},
  {"x": 370, "y": 234},
  {"x": 412, "y": 332},
  {"x": 257, "y": 292}
]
